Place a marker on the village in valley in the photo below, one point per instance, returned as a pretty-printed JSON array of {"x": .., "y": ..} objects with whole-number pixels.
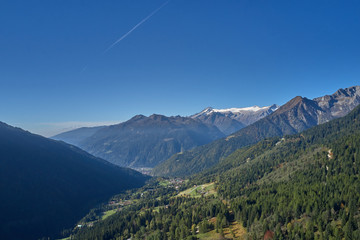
[{"x": 121, "y": 201}]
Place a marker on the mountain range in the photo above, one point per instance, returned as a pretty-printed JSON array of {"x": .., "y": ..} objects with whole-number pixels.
[
  {"x": 47, "y": 185},
  {"x": 300, "y": 186},
  {"x": 147, "y": 141},
  {"x": 293, "y": 117},
  {"x": 203, "y": 139}
]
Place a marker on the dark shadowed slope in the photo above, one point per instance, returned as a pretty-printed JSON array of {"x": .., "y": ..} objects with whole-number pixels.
[{"x": 46, "y": 185}]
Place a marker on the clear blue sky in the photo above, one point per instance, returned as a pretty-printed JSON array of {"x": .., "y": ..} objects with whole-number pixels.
[{"x": 189, "y": 55}]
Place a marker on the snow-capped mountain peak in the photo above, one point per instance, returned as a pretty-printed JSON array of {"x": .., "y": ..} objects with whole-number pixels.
[
  {"x": 240, "y": 110},
  {"x": 210, "y": 110},
  {"x": 229, "y": 120}
]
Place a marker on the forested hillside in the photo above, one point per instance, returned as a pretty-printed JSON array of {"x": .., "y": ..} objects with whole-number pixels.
[{"x": 304, "y": 186}]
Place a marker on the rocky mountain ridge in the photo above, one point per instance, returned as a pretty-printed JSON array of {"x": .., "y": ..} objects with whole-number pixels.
[{"x": 293, "y": 117}]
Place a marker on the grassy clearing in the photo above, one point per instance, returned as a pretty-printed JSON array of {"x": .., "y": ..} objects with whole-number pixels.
[
  {"x": 212, "y": 235},
  {"x": 234, "y": 231},
  {"x": 108, "y": 214},
  {"x": 198, "y": 191},
  {"x": 210, "y": 189}
]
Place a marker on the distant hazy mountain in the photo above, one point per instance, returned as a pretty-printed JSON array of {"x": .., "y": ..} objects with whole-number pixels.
[
  {"x": 233, "y": 119},
  {"x": 76, "y": 136},
  {"x": 295, "y": 116},
  {"x": 146, "y": 141},
  {"x": 47, "y": 186}
]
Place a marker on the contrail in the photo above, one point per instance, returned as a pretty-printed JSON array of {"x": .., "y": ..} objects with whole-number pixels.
[{"x": 136, "y": 26}]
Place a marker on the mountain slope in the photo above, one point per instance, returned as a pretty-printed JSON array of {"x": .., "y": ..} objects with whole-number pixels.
[
  {"x": 303, "y": 186},
  {"x": 233, "y": 119},
  {"x": 146, "y": 141},
  {"x": 295, "y": 116},
  {"x": 46, "y": 185},
  {"x": 286, "y": 148},
  {"x": 76, "y": 136},
  {"x": 290, "y": 182}
]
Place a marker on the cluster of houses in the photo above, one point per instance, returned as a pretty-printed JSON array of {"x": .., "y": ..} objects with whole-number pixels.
[{"x": 176, "y": 183}]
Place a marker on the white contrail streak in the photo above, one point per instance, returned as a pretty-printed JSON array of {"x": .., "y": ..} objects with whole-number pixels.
[{"x": 136, "y": 26}]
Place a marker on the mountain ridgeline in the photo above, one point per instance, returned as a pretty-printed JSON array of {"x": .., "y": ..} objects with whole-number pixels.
[
  {"x": 301, "y": 186},
  {"x": 293, "y": 117},
  {"x": 47, "y": 186},
  {"x": 298, "y": 186},
  {"x": 146, "y": 141}
]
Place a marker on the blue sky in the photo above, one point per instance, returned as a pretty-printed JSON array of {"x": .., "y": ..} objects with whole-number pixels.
[{"x": 191, "y": 54}]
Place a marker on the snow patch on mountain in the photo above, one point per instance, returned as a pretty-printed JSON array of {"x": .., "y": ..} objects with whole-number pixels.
[
  {"x": 230, "y": 120},
  {"x": 235, "y": 111},
  {"x": 241, "y": 110}
]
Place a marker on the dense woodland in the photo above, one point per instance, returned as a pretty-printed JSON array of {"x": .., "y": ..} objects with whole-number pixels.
[{"x": 303, "y": 186}]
